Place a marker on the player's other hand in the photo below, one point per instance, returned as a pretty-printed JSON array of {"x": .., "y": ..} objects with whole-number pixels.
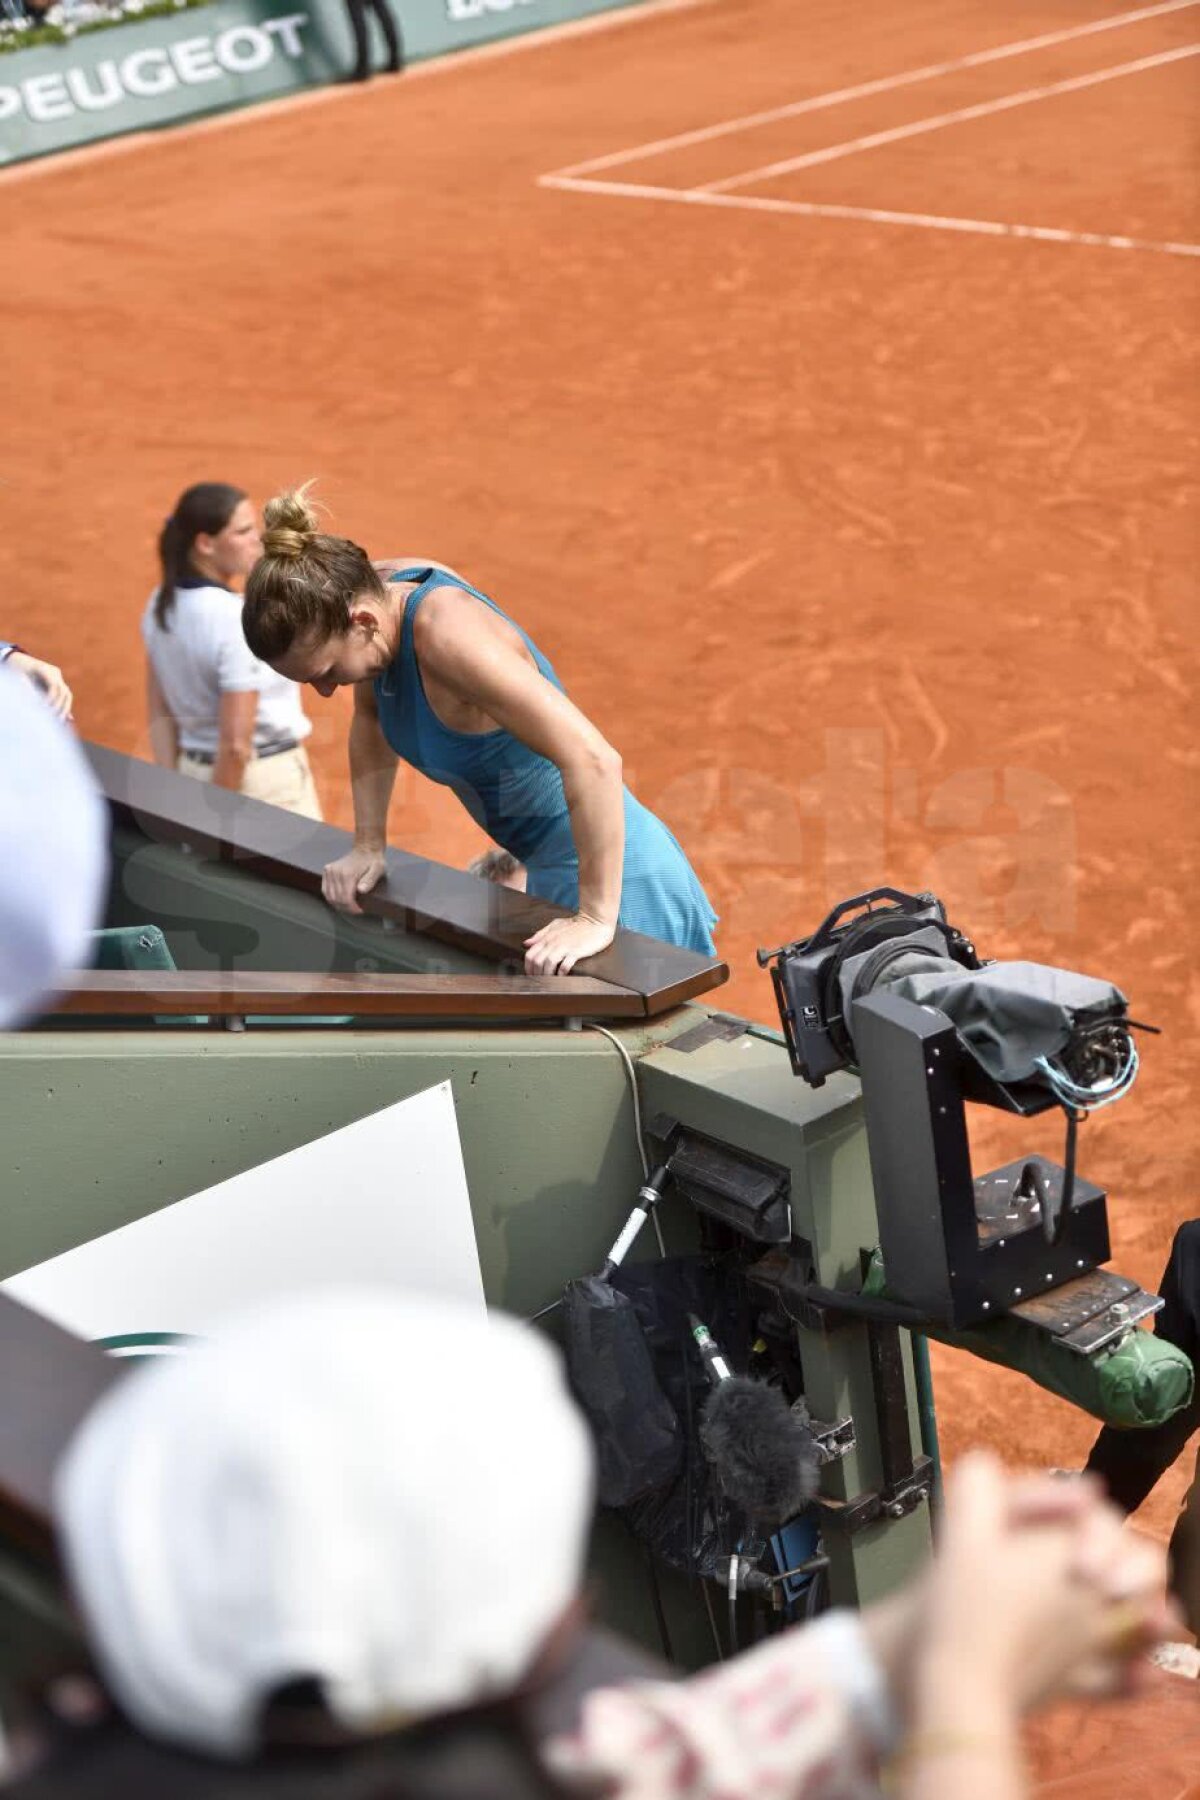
[
  {"x": 48, "y": 678},
  {"x": 558, "y": 946},
  {"x": 356, "y": 873}
]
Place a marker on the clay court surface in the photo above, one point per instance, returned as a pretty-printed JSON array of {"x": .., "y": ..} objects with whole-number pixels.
[{"x": 863, "y": 526}]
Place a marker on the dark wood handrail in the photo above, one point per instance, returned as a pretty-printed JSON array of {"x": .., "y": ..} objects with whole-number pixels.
[
  {"x": 417, "y": 895},
  {"x": 148, "y": 993}
]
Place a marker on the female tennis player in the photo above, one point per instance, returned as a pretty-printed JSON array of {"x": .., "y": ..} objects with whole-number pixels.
[{"x": 447, "y": 681}]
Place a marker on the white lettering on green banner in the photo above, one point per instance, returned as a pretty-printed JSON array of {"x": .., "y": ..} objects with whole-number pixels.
[
  {"x": 147, "y": 73},
  {"x": 462, "y": 12},
  {"x": 164, "y": 71}
]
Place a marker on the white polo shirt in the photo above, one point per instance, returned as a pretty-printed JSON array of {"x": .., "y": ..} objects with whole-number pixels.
[{"x": 201, "y": 655}]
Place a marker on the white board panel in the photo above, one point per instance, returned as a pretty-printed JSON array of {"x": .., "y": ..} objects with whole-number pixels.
[{"x": 381, "y": 1201}]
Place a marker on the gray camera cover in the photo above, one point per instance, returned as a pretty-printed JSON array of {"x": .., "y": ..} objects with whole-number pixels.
[{"x": 1009, "y": 1013}]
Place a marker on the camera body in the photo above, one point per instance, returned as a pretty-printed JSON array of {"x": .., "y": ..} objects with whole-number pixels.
[{"x": 806, "y": 974}]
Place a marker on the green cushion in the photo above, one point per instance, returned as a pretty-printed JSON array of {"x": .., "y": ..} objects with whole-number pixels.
[{"x": 1142, "y": 1380}]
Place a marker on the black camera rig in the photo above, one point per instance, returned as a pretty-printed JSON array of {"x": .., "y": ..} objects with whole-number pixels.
[{"x": 886, "y": 987}]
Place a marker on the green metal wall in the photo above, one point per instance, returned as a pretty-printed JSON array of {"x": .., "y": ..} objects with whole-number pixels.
[
  {"x": 102, "y": 1128},
  {"x": 742, "y": 1093}
]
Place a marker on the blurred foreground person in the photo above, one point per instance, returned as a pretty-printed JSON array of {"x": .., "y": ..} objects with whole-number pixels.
[
  {"x": 346, "y": 1536},
  {"x": 53, "y": 852},
  {"x": 43, "y": 675},
  {"x": 1130, "y": 1461},
  {"x": 215, "y": 712}
]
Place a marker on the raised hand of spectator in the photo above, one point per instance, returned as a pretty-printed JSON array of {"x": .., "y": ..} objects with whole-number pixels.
[
  {"x": 1024, "y": 1602},
  {"x": 1061, "y": 1604}
]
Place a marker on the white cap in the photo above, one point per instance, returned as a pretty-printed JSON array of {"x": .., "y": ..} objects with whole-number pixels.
[
  {"x": 53, "y": 851},
  {"x": 388, "y": 1493}
]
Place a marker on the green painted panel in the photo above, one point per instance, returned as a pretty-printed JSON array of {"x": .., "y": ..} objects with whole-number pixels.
[
  {"x": 102, "y": 1128},
  {"x": 742, "y": 1093},
  {"x": 431, "y": 27}
]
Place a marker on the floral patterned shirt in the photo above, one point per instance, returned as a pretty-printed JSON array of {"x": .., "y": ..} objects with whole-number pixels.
[{"x": 804, "y": 1716}]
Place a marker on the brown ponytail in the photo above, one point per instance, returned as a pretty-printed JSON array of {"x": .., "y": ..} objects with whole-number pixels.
[{"x": 305, "y": 581}]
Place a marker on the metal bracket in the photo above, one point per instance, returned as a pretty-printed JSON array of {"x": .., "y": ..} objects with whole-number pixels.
[
  {"x": 786, "y": 1275},
  {"x": 717, "y": 1028},
  {"x": 746, "y": 1193},
  {"x": 851, "y": 1516},
  {"x": 833, "y": 1438},
  {"x": 1090, "y": 1313}
]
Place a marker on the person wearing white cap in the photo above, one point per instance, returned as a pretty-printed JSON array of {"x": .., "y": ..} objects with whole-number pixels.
[
  {"x": 388, "y": 1498},
  {"x": 53, "y": 852}
]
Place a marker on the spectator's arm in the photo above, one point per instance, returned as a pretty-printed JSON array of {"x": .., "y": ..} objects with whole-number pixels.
[
  {"x": 45, "y": 676},
  {"x": 235, "y": 737},
  {"x": 164, "y": 733}
]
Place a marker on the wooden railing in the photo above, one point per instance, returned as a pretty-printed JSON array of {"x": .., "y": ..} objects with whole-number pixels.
[
  {"x": 152, "y": 993},
  {"x": 417, "y": 895}
]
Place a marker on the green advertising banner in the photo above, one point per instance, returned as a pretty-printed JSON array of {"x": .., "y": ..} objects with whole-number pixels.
[
  {"x": 157, "y": 72},
  {"x": 431, "y": 27},
  {"x": 199, "y": 59}
]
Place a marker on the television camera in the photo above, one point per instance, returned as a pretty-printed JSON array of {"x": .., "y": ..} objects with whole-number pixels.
[{"x": 887, "y": 987}]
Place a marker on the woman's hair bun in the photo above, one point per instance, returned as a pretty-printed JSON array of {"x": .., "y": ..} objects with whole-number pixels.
[{"x": 289, "y": 524}]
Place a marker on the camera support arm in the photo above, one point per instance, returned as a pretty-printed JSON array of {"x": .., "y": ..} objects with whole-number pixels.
[{"x": 960, "y": 1248}]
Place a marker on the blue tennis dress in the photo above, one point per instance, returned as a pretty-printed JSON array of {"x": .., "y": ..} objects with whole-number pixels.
[{"x": 517, "y": 796}]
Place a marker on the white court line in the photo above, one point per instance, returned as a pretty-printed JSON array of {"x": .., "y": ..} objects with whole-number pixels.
[
  {"x": 632, "y": 190},
  {"x": 918, "y": 127},
  {"x": 884, "y": 84}
]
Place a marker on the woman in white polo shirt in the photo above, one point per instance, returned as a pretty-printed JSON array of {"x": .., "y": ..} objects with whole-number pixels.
[{"x": 216, "y": 712}]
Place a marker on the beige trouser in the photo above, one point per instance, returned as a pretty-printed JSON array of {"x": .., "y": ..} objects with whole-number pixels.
[{"x": 283, "y": 780}]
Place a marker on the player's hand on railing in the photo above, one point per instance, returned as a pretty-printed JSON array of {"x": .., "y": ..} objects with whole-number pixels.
[
  {"x": 558, "y": 946},
  {"x": 356, "y": 873}
]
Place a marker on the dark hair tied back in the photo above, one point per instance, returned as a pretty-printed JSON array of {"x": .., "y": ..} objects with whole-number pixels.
[
  {"x": 207, "y": 507},
  {"x": 306, "y": 581}
]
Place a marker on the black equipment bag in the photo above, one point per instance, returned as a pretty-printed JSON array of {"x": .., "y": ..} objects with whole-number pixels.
[
  {"x": 639, "y": 1440},
  {"x": 636, "y": 1373}
]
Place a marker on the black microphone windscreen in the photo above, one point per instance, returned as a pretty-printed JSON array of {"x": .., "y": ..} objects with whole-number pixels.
[{"x": 762, "y": 1454}]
